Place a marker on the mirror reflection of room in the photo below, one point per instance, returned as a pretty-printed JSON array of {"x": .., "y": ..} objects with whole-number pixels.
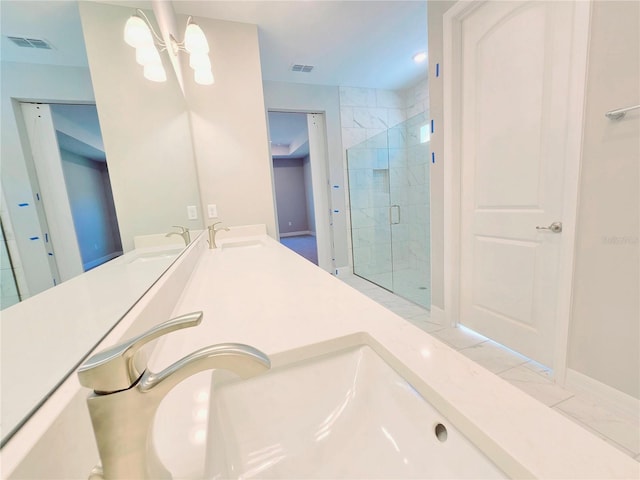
[
  {"x": 87, "y": 200},
  {"x": 72, "y": 190}
]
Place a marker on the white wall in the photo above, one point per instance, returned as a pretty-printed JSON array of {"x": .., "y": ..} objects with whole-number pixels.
[
  {"x": 230, "y": 127},
  {"x": 42, "y": 83},
  {"x": 298, "y": 97},
  {"x": 291, "y": 195},
  {"x": 145, "y": 128},
  {"x": 605, "y": 325}
]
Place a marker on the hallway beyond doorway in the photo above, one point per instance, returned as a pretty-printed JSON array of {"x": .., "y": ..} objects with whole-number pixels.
[{"x": 304, "y": 245}]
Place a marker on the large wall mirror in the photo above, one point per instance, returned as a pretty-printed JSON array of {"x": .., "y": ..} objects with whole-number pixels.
[{"x": 71, "y": 90}]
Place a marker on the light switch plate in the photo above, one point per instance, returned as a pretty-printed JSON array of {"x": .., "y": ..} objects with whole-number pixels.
[
  {"x": 192, "y": 212},
  {"x": 212, "y": 211}
]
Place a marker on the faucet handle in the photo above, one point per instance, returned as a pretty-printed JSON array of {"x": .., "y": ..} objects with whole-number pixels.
[
  {"x": 119, "y": 367},
  {"x": 182, "y": 229}
]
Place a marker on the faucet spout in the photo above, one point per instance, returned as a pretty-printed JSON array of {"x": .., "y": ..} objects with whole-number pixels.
[
  {"x": 184, "y": 233},
  {"x": 212, "y": 233},
  {"x": 243, "y": 360}
]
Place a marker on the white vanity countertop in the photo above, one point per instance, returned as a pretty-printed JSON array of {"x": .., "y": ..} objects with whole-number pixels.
[{"x": 269, "y": 297}]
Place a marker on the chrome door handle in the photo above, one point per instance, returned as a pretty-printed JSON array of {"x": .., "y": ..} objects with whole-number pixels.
[{"x": 555, "y": 227}]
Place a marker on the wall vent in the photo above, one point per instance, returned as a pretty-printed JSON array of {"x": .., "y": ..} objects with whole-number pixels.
[
  {"x": 28, "y": 42},
  {"x": 301, "y": 68}
]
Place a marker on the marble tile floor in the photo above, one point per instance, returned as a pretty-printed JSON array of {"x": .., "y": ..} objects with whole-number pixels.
[
  {"x": 617, "y": 428},
  {"x": 413, "y": 283}
]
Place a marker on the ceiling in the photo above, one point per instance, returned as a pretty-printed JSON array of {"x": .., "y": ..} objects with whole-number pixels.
[
  {"x": 350, "y": 42},
  {"x": 57, "y": 22}
]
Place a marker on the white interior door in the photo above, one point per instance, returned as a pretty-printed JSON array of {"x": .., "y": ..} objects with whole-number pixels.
[{"x": 515, "y": 60}]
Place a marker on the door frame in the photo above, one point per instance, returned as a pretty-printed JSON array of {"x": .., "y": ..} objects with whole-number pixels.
[{"x": 452, "y": 49}]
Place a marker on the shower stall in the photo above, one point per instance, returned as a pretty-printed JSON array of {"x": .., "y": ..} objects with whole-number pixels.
[{"x": 389, "y": 205}]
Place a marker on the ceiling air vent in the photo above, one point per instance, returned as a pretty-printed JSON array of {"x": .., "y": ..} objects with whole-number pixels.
[
  {"x": 301, "y": 68},
  {"x": 30, "y": 42}
]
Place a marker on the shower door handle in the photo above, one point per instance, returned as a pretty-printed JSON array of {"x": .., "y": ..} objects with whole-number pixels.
[{"x": 391, "y": 216}]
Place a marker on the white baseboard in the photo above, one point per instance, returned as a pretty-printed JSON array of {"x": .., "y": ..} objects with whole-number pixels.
[
  {"x": 297, "y": 234},
  {"x": 608, "y": 396},
  {"x": 437, "y": 315}
]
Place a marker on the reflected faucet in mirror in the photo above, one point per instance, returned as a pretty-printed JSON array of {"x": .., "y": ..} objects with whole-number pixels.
[
  {"x": 184, "y": 233},
  {"x": 212, "y": 233},
  {"x": 126, "y": 395}
]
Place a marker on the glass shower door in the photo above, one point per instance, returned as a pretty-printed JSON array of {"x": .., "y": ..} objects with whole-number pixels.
[
  {"x": 409, "y": 200},
  {"x": 389, "y": 204},
  {"x": 369, "y": 198}
]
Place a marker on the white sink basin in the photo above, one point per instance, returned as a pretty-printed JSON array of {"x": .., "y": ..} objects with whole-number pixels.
[
  {"x": 345, "y": 415},
  {"x": 253, "y": 243}
]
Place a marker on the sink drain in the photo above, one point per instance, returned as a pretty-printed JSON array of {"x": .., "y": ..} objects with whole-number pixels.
[{"x": 441, "y": 432}]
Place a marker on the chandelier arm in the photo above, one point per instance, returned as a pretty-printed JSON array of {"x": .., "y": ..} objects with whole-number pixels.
[{"x": 146, "y": 19}]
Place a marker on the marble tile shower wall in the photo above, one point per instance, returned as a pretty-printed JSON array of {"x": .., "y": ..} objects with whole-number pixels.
[{"x": 366, "y": 112}]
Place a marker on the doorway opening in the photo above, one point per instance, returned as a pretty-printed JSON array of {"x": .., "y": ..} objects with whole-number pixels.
[{"x": 298, "y": 150}]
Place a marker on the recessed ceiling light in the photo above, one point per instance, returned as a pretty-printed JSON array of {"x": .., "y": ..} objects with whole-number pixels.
[{"x": 420, "y": 57}]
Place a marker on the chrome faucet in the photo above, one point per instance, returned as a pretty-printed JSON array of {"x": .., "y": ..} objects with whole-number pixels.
[
  {"x": 184, "y": 233},
  {"x": 212, "y": 234},
  {"x": 126, "y": 396}
]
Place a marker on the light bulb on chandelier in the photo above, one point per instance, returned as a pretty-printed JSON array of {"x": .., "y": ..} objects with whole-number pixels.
[
  {"x": 139, "y": 33},
  {"x": 203, "y": 77}
]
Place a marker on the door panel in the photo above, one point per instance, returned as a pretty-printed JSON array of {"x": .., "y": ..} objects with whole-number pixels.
[
  {"x": 502, "y": 284},
  {"x": 515, "y": 60}
]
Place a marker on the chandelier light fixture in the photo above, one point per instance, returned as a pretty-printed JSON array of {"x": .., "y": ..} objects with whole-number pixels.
[{"x": 139, "y": 33}]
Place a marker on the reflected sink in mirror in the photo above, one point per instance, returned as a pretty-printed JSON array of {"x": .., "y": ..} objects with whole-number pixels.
[
  {"x": 343, "y": 415},
  {"x": 167, "y": 254}
]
